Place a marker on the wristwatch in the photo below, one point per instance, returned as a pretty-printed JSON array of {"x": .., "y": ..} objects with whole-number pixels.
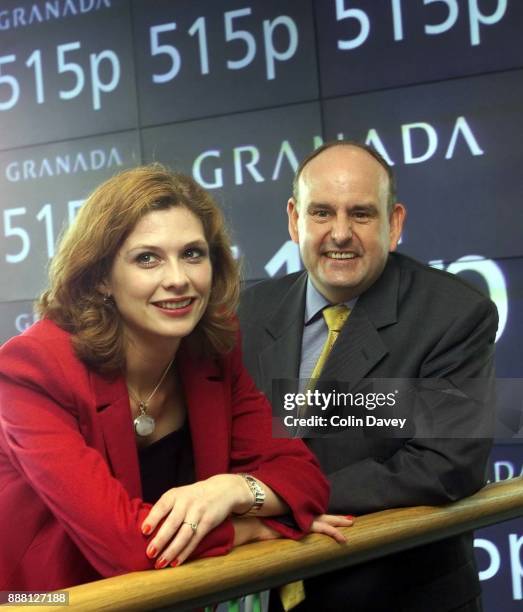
[{"x": 257, "y": 492}]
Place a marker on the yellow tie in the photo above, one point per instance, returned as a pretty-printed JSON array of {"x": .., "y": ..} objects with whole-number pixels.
[
  {"x": 335, "y": 316},
  {"x": 292, "y": 594}
]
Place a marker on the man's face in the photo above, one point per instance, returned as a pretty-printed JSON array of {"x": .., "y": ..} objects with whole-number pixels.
[{"x": 341, "y": 222}]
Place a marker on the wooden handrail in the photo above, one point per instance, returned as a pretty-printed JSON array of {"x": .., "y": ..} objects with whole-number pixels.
[{"x": 257, "y": 566}]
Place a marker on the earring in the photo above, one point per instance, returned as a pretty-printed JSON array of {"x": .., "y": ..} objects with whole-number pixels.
[{"x": 108, "y": 299}]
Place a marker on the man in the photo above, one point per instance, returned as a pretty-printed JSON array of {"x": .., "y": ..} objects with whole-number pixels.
[{"x": 406, "y": 321}]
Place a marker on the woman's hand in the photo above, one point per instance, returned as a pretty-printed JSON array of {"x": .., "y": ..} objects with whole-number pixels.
[
  {"x": 328, "y": 523},
  {"x": 250, "y": 529},
  {"x": 189, "y": 513}
]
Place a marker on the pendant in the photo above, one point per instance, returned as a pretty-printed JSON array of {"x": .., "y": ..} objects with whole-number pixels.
[{"x": 144, "y": 425}]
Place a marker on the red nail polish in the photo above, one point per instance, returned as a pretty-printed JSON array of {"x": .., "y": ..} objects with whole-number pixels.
[
  {"x": 151, "y": 552},
  {"x": 350, "y": 517},
  {"x": 146, "y": 529},
  {"x": 160, "y": 563},
  {"x": 175, "y": 563}
]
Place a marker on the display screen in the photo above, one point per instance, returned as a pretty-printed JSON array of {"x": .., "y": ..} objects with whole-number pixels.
[{"x": 236, "y": 93}]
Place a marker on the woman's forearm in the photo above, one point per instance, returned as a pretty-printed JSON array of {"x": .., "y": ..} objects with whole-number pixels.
[
  {"x": 273, "y": 504},
  {"x": 250, "y": 529}
]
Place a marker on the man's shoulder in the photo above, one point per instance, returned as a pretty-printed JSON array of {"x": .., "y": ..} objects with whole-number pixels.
[
  {"x": 260, "y": 300},
  {"x": 437, "y": 283},
  {"x": 439, "y": 295},
  {"x": 273, "y": 288}
]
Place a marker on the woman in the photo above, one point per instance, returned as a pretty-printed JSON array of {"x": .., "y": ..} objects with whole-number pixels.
[{"x": 130, "y": 392}]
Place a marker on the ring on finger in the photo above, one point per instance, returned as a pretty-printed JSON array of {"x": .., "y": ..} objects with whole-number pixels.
[{"x": 193, "y": 526}]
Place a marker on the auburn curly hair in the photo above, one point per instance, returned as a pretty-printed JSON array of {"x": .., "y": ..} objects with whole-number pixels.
[{"x": 87, "y": 250}]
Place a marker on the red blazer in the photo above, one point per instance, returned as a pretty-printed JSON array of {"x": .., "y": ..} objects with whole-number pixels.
[{"x": 70, "y": 502}]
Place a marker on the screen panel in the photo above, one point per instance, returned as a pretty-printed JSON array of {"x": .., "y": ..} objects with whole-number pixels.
[
  {"x": 502, "y": 280},
  {"x": 42, "y": 188},
  {"x": 196, "y": 59},
  {"x": 67, "y": 84},
  {"x": 374, "y": 44},
  {"x": 247, "y": 161},
  {"x": 499, "y": 548},
  {"x": 66, "y": 70},
  {"x": 456, "y": 151},
  {"x": 15, "y": 317}
]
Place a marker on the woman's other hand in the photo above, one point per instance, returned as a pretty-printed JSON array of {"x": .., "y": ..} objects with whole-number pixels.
[
  {"x": 328, "y": 523},
  {"x": 251, "y": 529}
]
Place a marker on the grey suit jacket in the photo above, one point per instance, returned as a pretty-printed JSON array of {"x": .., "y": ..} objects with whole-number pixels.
[{"x": 414, "y": 322}]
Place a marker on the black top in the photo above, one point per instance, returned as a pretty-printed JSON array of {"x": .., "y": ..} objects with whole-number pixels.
[{"x": 166, "y": 463}]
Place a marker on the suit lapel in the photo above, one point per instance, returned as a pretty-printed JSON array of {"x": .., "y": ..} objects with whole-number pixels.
[
  {"x": 280, "y": 359},
  {"x": 360, "y": 347},
  {"x": 114, "y": 418},
  {"x": 206, "y": 398}
]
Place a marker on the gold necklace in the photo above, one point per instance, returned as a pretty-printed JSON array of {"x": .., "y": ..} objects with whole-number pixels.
[{"x": 144, "y": 424}]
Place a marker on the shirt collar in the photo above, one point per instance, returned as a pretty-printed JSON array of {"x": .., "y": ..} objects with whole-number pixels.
[{"x": 315, "y": 302}]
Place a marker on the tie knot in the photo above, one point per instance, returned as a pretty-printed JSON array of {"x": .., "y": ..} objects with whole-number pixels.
[{"x": 335, "y": 316}]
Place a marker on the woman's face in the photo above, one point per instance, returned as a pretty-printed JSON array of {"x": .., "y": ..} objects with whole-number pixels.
[{"x": 161, "y": 277}]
